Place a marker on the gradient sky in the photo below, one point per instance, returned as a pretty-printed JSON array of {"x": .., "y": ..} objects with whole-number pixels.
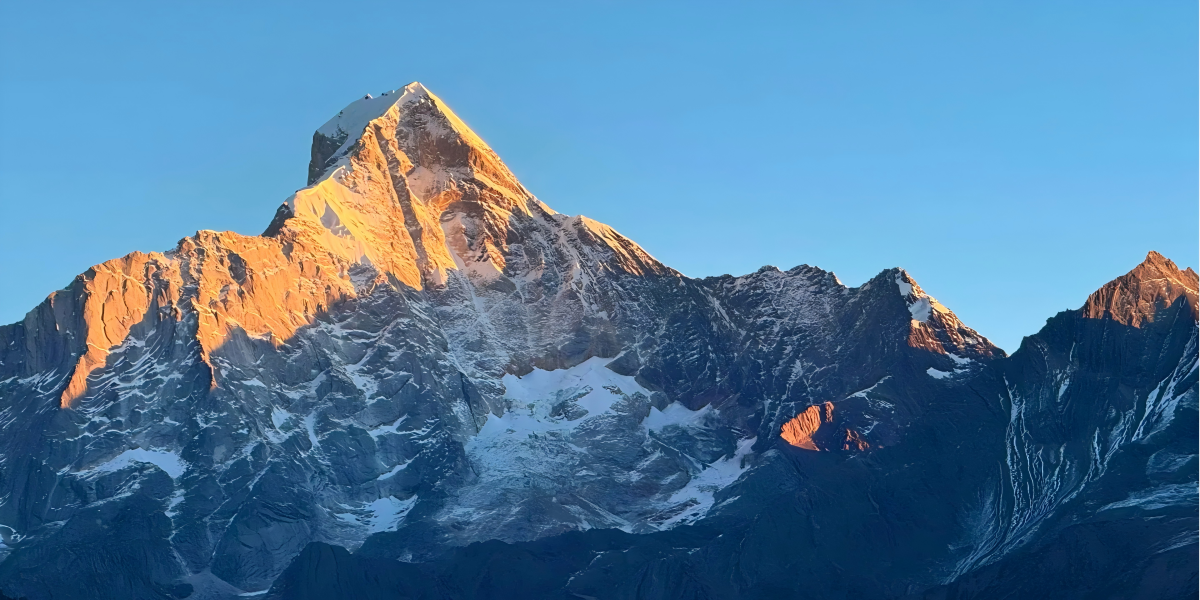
[{"x": 1012, "y": 156}]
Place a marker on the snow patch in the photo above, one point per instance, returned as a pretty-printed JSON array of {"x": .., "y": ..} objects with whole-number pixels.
[
  {"x": 676, "y": 414},
  {"x": 387, "y": 512},
  {"x": 959, "y": 359},
  {"x": 395, "y": 469},
  {"x": 1167, "y": 462},
  {"x": 379, "y": 515},
  {"x": 279, "y": 417},
  {"x": 1179, "y": 494},
  {"x": 175, "y": 500},
  {"x": 921, "y": 309},
  {"x": 920, "y": 304},
  {"x": 936, "y": 374},
  {"x": 386, "y": 429},
  {"x": 961, "y": 366},
  {"x": 169, "y": 462},
  {"x": 704, "y": 485},
  {"x": 524, "y": 441},
  {"x": 310, "y": 423},
  {"x": 593, "y": 386},
  {"x": 863, "y": 393}
]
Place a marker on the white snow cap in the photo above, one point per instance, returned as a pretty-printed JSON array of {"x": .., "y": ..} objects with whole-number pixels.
[{"x": 353, "y": 119}]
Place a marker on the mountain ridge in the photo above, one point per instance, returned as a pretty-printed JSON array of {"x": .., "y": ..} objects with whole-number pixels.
[{"x": 420, "y": 356}]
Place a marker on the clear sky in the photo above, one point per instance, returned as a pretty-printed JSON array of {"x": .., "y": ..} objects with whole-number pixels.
[{"x": 1013, "y": 156}]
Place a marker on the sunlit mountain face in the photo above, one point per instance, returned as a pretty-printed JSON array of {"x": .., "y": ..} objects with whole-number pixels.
[{"x": 422, "y": 382}]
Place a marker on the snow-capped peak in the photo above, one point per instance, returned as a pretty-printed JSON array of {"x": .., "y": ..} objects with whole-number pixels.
[
  {"x": 354, "y": 118},
  {"x": 348, "y": 126}
]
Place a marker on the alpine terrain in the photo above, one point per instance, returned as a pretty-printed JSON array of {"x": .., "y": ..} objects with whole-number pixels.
[{"x": 422, "y": 382}]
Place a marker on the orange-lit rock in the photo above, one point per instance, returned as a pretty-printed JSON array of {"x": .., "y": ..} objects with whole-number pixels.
[
  {"x": 1137, "y": 296},
  {"x": 815, "y": 429},
  {"x": 854, "y": 441},
  {"x": 112, "y": 297},
  {"x": 801, "y": 429},
  {"x": 264, "y": 287},
  {"x": 408, "y": 192}
]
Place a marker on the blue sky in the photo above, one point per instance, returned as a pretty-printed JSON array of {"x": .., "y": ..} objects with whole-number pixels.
[{"x": 1012, "y": 156}]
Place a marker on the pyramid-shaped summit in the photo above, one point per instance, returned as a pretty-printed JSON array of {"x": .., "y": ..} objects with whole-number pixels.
[
  {"x": 424, "y": 112},
  {"x": 400, "y": 182},
  {"x": 1142, "y": 293}
]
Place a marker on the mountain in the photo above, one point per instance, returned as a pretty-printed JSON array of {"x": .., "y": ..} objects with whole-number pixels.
[{"x": 422, "y": 382}]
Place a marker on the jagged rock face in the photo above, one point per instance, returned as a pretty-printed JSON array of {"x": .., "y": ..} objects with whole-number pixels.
[
  {"x": 1140, "y": 295},
  {"x": 1100, "y": 450},
  {"x": 1067, "y": 470},
  {"x": 418, "y": 355}
]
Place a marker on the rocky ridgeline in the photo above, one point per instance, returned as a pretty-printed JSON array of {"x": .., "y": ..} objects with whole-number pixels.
[{"x": 421, "y": 381}]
